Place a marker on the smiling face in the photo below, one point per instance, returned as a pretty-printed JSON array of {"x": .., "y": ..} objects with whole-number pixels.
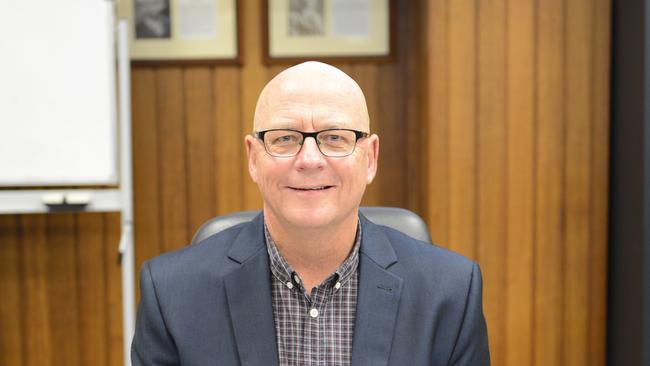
[{"x": 310, "y": 190}]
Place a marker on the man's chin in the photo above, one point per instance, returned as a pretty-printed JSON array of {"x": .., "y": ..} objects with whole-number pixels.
[{"x": 311, "y": 217}]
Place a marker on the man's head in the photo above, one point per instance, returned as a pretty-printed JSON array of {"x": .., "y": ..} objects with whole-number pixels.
[{"x": 311, "y": 189}]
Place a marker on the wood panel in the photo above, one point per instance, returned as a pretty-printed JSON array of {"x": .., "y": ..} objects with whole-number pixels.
[
  {"x": 435, "y": 120},
  {"x": 229, "y": 151},
  {"x": 516, "y": 144},
  {"x": 10, "y": 280},
  {"x": 114, "y": 356},
  {"x": 599, "y": 134},
  {"x": 491, "y": 167},
  {"x": 200, "y": 142},
  {"x": 92, "y": 283},
  {"x": 54, "y": 277},
  {"x": 550, "y": 145},
  {"x": 36, "y": 336},
  {"x": 172, "y": 163},
  {"x": 520, "y": 182},
  {"x": 577, "y": 176},
  {"x": 462, "y": 151},
  {"x": 62, "y": 289},
  {"x": 145, "y": 164}
]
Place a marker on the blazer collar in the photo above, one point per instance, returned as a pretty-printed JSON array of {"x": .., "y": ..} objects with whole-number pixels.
[
  {"x": 375, "y": 244},
  {"x": 249, "y": 241},
  {"x": 248, "y": 291},
  {"x": 378, "y": 299}
]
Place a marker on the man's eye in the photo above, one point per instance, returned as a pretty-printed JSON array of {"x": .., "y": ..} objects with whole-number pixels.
[
  {"x": 284, "y": 139},
  {"x": 334, "y": 138}
]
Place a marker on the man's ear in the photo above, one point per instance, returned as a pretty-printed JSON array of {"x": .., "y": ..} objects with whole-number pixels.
[
  {"x": 372, "y": 151},
  {"x": 251, "y": 152}
]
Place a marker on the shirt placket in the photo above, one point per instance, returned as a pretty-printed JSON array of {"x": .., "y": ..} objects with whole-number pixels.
[{"x": 314, "y": 326}]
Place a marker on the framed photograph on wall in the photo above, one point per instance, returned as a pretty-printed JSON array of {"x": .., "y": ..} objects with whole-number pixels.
[
  {"x": 182, "y": 31},
  {"x": 329, "y": 30}
]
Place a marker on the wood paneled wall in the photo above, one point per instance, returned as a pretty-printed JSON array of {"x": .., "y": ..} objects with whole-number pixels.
[
  {"x": 493, "y": 124},
  {"x": 517, "y": 116},
  {"x": 61, "y": 290}
]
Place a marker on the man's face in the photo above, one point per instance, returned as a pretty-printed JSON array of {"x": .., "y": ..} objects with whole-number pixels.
[{"x": 311, "y": 190}]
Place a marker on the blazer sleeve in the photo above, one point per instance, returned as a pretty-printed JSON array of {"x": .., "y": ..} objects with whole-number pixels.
[
  {"x": 471, "y": 348},
  {"x": 152, "y": 343}
]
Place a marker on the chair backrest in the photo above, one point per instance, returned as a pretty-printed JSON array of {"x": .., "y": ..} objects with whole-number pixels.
[{"x": 400, "y": 219}]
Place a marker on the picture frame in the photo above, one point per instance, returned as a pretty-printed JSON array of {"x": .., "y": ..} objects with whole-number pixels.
[
  {"x": 182, "y": 32},
  {"x": 328, "y": 30}
]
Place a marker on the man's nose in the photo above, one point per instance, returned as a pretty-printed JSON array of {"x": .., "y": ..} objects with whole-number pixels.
[{"x": 309, "y": 155}]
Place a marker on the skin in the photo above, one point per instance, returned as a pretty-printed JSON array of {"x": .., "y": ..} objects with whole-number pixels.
[{"x": 311, "y": 201}]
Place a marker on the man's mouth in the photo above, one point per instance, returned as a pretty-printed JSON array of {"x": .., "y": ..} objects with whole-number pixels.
[{"x": 317, "y": 188}]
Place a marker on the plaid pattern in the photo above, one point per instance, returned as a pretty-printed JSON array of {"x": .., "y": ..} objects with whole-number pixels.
[{"x": 314, "y": 337}]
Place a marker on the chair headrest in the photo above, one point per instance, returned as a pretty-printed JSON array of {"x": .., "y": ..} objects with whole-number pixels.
[{"x": 400, "y": 219}]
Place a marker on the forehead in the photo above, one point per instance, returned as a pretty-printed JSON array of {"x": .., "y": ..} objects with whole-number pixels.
[{"x": 308, "y": 106}]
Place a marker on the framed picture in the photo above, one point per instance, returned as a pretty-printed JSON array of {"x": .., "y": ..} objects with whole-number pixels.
[
  {"x": 182, "y": 31},
  {"x": 329, "y": 30}
]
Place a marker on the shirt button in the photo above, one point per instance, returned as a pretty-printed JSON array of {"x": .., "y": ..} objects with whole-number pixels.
[
  {"x": 289, "y": 285},
  {"x": 313, "y": 313},
  {"x": 296, "y": 278},
  {"x": 337, "y": 285}
]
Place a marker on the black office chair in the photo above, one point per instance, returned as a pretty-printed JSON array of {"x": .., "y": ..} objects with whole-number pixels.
[{"x": 400, "y": 219}]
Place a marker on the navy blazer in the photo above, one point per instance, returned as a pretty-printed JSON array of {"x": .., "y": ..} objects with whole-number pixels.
[{"x": 210, "y": 303}]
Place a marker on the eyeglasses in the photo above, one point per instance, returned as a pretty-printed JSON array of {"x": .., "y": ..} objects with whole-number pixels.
[{"x": 285, "y": 143}]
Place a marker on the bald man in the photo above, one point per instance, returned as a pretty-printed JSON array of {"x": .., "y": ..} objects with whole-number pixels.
[{"x": 311, "y": 281}]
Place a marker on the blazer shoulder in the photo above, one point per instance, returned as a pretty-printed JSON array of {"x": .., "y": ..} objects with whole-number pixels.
[
  {"x": 431, "y": 259},
  {"x": 410, "y": 245},
  {"x": 209, "y": 254}
]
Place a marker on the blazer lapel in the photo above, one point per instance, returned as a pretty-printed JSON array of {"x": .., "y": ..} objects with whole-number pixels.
[
  {"x": 378, "y": 299},
  {"x": 248, "y": 290}
]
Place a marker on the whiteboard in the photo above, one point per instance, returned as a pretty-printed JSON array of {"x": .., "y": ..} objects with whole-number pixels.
[{"x": 57, "y": 93}]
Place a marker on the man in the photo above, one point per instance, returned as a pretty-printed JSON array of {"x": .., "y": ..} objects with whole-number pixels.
[{"x": 311, "y": 281}]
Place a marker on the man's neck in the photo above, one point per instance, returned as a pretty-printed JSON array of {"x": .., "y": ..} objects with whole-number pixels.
[{"x": 314, "y": 253}]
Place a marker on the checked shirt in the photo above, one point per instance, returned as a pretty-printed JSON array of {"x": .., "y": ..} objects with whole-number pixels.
[{"x": 316, "y": 329}]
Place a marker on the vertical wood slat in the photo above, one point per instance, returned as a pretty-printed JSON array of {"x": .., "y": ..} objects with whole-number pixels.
[
  {"x": 491, "y": 168},
  {"x": 200, "y": 162},
  {"x": 113, "y": 313},
  {"x": 436, "y": 99},
  {"x": 520, "y": 182},
  {"x": 253, "y": 78},
  {"x": 62, "y": 289},
  {"x": 599, "y": 178},
  {"x": 461, "y": 133},
  {"x": 392, "y": 141},
  {"x": 172, "y": 159},
  {"x": 37, "y": 336},
  {"x": 91, "y": 283},
  {"x": 577, "y": 181},
  {"x": 549, "y": 271},
  {"x": 410, "y": 71},
  {"x": 145, "y": 165},
  {"x": 366, "y": 77},
  {"x": 11, "y": 312},
  {"x": 229, "y": 144}
]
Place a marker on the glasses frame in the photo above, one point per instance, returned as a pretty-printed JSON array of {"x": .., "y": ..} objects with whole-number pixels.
[{"x": 358, "y": 134}]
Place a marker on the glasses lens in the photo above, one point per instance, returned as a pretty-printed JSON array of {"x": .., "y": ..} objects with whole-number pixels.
[
  {"x": 282, "y": 142},
  {"x": 337, "y": 142}
]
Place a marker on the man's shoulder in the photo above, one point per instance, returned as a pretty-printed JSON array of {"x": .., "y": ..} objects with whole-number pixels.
[{"x": 210, "y": 254}]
